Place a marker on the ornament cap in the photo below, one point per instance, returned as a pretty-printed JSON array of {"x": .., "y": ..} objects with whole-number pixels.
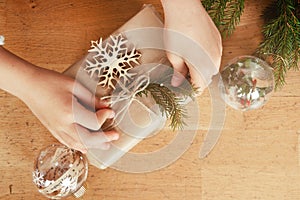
[
  {"x": 2, "y": 40},
  {"x": 80, "y": 192}
]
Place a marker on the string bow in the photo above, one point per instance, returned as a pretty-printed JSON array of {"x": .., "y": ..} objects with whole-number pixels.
[{"x": 124, "y": 95}]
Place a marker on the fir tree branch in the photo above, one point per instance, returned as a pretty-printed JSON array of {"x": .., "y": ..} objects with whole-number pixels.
[
  {"x": 225, "y": 14},
  {"x": 170, "y": 104},
  {"x": 281, "y": 47},
  {"x": 171, "y": 99}
]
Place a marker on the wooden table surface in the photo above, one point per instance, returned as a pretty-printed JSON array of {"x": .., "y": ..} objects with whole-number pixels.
[{"x": 257, "y": 156}]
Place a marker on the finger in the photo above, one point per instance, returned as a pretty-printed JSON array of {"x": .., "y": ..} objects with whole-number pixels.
[
  {"x": 69, "y": 141},
  {"x": 85, "y": 117},
  {"x": 180, "y": 67},
  {"x": 87, "y": 98},
  {"x": 98, "y": 140},
  {"x": 84, "y": 95},
  {"x": 74, "y": 143},
  {"x": 99, "y": 103},
  {"x": 103, "y": 137},
  {"x": 105, "y": 146},
  {"x": 196, "y": 78},
  {"x": 104, "y": 114}
]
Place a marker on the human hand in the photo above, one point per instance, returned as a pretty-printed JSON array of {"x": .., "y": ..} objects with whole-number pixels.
[
  {"x": 65, "y": 108},
  {"x": 191, "y": 19}
]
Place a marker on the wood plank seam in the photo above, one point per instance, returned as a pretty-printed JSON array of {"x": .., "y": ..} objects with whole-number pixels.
[{"x": 298, "y": 147}]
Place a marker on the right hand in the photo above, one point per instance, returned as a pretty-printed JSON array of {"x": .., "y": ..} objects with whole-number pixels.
[{"x": 191, "y": 19}]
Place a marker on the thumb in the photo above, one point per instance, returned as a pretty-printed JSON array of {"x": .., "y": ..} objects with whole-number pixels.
[{"x": 180, "y": 69}]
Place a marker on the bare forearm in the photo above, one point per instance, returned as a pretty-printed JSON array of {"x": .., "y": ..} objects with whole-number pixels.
[
  {"x": 180, "y": 11},
  {"x": 186, "y": 6},
  {"x": 16, "y": 74}
]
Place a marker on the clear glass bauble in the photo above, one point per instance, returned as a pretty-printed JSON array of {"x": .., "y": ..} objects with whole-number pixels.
[
  {"x": 247, "y": 83},
  {"x": 60, "y": 171}
]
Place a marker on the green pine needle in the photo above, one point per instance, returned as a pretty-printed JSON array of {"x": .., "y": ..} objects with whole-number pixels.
[
  {"x": 225, "y": 14},
  {"x": 168, "y": 102},
  {"x": 281, "y": 47}
]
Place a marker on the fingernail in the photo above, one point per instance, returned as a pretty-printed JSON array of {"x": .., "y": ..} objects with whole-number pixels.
[
  {"x": 106, "y": 146},
  {"x": 84, "y": 151},
  {"x": 115, "y": 137},
  {"x": 112, "y": 115},
  {"x": 106, "y": 102}
]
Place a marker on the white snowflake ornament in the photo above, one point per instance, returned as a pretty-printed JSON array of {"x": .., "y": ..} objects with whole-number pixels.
[
  {"x": 38, "y": 178},
  {"x": 112, "y": 61},
  {"x": 68, "y": 184}
]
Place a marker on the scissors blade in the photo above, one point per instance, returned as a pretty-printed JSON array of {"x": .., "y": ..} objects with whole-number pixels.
[{"x": 218, "y": 116}]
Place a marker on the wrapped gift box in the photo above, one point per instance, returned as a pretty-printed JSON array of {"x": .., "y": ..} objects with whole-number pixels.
[{"x": 147, "y": 17}]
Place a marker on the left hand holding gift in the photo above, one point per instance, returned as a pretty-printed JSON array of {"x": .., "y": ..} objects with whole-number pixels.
[{"x": 66, "y": 112}]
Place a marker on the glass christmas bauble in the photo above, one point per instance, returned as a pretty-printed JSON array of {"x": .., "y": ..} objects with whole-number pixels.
[
  {"x": 247, "y": 83},
  {"x": 60, "y": 171}
]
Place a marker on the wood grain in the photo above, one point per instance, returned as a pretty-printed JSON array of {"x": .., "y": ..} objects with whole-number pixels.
[{"x": 257, "y": 156}]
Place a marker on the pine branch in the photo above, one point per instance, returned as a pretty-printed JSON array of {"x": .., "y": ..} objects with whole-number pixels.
[
  {"x": 171, "y": 99},
  {"x": 225, "y": 14},
  {"x": 297, "y": 11},
  {"x": 208, "y": 4},
  {"x": 169, "y": 103},
  {"x": 281, "y": 47}
]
